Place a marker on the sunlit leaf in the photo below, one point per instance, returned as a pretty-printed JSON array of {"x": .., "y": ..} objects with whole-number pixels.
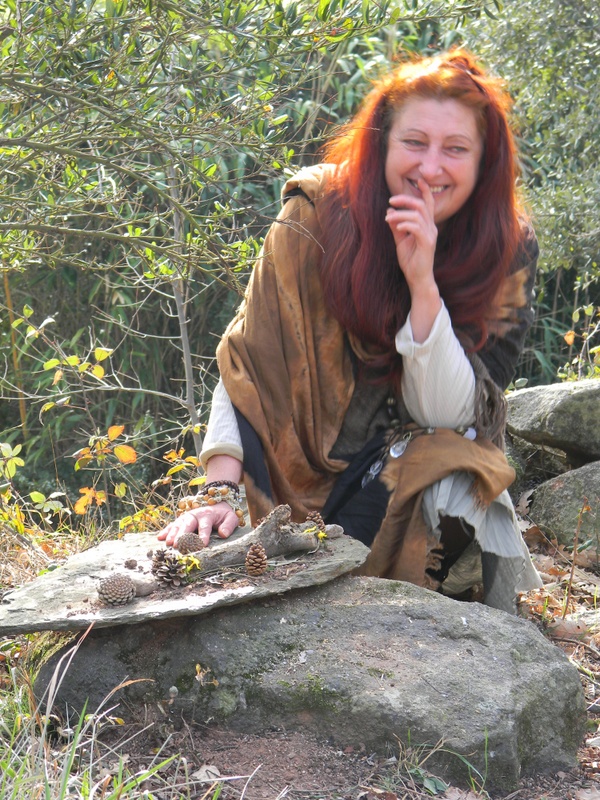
[
  {"x": 120, "y": 489},
  {"x": 100, "y": 353},
  {"x": 53, "y": 362},
  {"x": 125, "y": 454},
  {"x": 175, "y": 469},
  {"x": 569, "y": 337},
  {"x": 81, "y": 505},
  {"x": 115, "y": 431},
  {"x": 72, "y": 361},
  {"x": 97, "y": 371}
]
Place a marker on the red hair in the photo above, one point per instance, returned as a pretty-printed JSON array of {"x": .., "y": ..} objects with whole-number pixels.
[{"x": 363, "y": 285}]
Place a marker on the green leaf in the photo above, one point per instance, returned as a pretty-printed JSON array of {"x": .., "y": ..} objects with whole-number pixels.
[
  {"x": 37, "y": 497},
  {"x": 51, "y": 364}
]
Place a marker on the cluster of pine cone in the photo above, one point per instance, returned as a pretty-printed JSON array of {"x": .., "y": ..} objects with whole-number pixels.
[{"x": 168, "y": 568}]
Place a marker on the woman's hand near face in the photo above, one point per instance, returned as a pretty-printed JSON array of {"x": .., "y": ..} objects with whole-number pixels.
[{"x": 415, "y": 234}]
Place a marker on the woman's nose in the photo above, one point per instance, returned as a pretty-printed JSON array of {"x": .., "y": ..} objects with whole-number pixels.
[{"x": 431, "y": 163}]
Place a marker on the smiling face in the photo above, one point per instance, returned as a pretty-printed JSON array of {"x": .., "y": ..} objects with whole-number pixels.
[{"x": 438, "y": 141}]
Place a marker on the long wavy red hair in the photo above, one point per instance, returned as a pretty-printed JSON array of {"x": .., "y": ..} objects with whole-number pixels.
[{"x": 363, "y": 285}]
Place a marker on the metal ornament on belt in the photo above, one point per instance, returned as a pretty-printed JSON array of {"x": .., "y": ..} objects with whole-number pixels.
[
  {"x": 398, "y": 448},
  {"x": 372, "y": 472}
]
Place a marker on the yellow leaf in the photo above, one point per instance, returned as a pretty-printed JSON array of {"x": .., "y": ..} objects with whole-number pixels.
[
  {"x": 57, "y": 376},
  {"x": 176, "y": 468},
  {"x": 100, "y": 353},
  {"x": 120, "y": 489},
  {"x": 97, "y": 371},
  {"x": 125, "y": 454},
  {"x": 193, "y": 460},
  {"x": 115, "y": 431},
  {"x": 173, "y": 455},
  {"x": 84, "y": 366},
  {"x": 198, "y": 481},
  {"x": 54, "y": 362},
  {"x": 100, "y": 498},
  {"x": 569, "y": 337},
  {"x": 46, "y": 407},
  {"x": 71, "y": 361},
  {"x": 84, "y": 501}
]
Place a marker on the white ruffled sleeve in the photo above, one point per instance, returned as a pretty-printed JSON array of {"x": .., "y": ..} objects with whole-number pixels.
[
  {"x": 438, "y": 383},
  {"x": 222, "y": 433}
]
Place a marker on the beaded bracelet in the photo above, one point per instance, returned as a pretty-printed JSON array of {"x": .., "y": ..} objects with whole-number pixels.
[
  {"x": 215, "y": 492},
  {"x": 211, "y": 484}
]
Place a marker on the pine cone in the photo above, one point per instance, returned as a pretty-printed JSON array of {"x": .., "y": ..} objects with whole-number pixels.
[
  {"x": 171, "y": 572},
  {"x": 189, "y": 542},
  {"x": 158, "y": 558},
  {"x": 117, "y": 589},
  {"x": 314, "y": 516},
  {"x": 256, "y": 560}
]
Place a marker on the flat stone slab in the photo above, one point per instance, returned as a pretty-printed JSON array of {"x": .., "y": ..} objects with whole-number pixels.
[{"x": 66, "y": 599}]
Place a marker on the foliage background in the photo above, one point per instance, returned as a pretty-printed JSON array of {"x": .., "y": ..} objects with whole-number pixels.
[{"x": 144, "y": 143}]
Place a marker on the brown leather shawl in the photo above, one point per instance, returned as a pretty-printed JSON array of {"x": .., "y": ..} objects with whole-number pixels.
[{"x": 285, "y": 363}]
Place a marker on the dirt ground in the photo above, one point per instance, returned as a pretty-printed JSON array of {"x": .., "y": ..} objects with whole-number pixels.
[{"x": 299, "y": 767}]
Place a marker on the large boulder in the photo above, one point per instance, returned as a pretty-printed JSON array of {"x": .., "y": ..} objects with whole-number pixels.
[
  {"x": 363, "y": 661},
  {"x": 558, "y": 504},
  {"x": 562, "y": 416}
]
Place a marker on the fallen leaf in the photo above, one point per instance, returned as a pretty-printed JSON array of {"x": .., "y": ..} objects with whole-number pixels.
[
  {"x": 207, "y": 772},
  {"x": 534, "y": 537},
  {"x": 587, "y": 794},
  {"x": 543, "y": 563},
  {"x": 524, "y": 503},
  {"x": 460, "y": 794},
  {"x": 568, "y": 629}
]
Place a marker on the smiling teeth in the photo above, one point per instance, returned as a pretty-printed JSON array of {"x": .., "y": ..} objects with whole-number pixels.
[{"x": 432, "y": 189}]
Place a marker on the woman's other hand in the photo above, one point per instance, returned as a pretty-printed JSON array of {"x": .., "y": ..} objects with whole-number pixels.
[{"x": 219, "y": 517}]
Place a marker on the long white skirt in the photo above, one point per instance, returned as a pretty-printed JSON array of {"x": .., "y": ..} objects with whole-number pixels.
[{"x": 496, "y": 532}]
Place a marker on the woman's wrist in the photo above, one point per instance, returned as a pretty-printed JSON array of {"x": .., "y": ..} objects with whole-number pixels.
[
  {"x": 224, "y": 468},
  {"x": 425, "y": 305}
]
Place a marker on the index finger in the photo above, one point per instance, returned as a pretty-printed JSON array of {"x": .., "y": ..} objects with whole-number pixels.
[{"x": 427, "y": 195}]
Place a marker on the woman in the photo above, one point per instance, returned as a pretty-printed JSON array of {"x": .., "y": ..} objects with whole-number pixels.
[{"x": 363, "y": 375}]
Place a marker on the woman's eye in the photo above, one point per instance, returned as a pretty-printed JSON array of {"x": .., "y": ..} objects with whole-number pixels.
[
  {"x": 458, "y": 149},
  {"x": 413, "y": 143}
]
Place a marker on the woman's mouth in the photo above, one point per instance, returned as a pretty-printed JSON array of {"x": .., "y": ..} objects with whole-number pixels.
[{"x": 433, "y": 189}]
